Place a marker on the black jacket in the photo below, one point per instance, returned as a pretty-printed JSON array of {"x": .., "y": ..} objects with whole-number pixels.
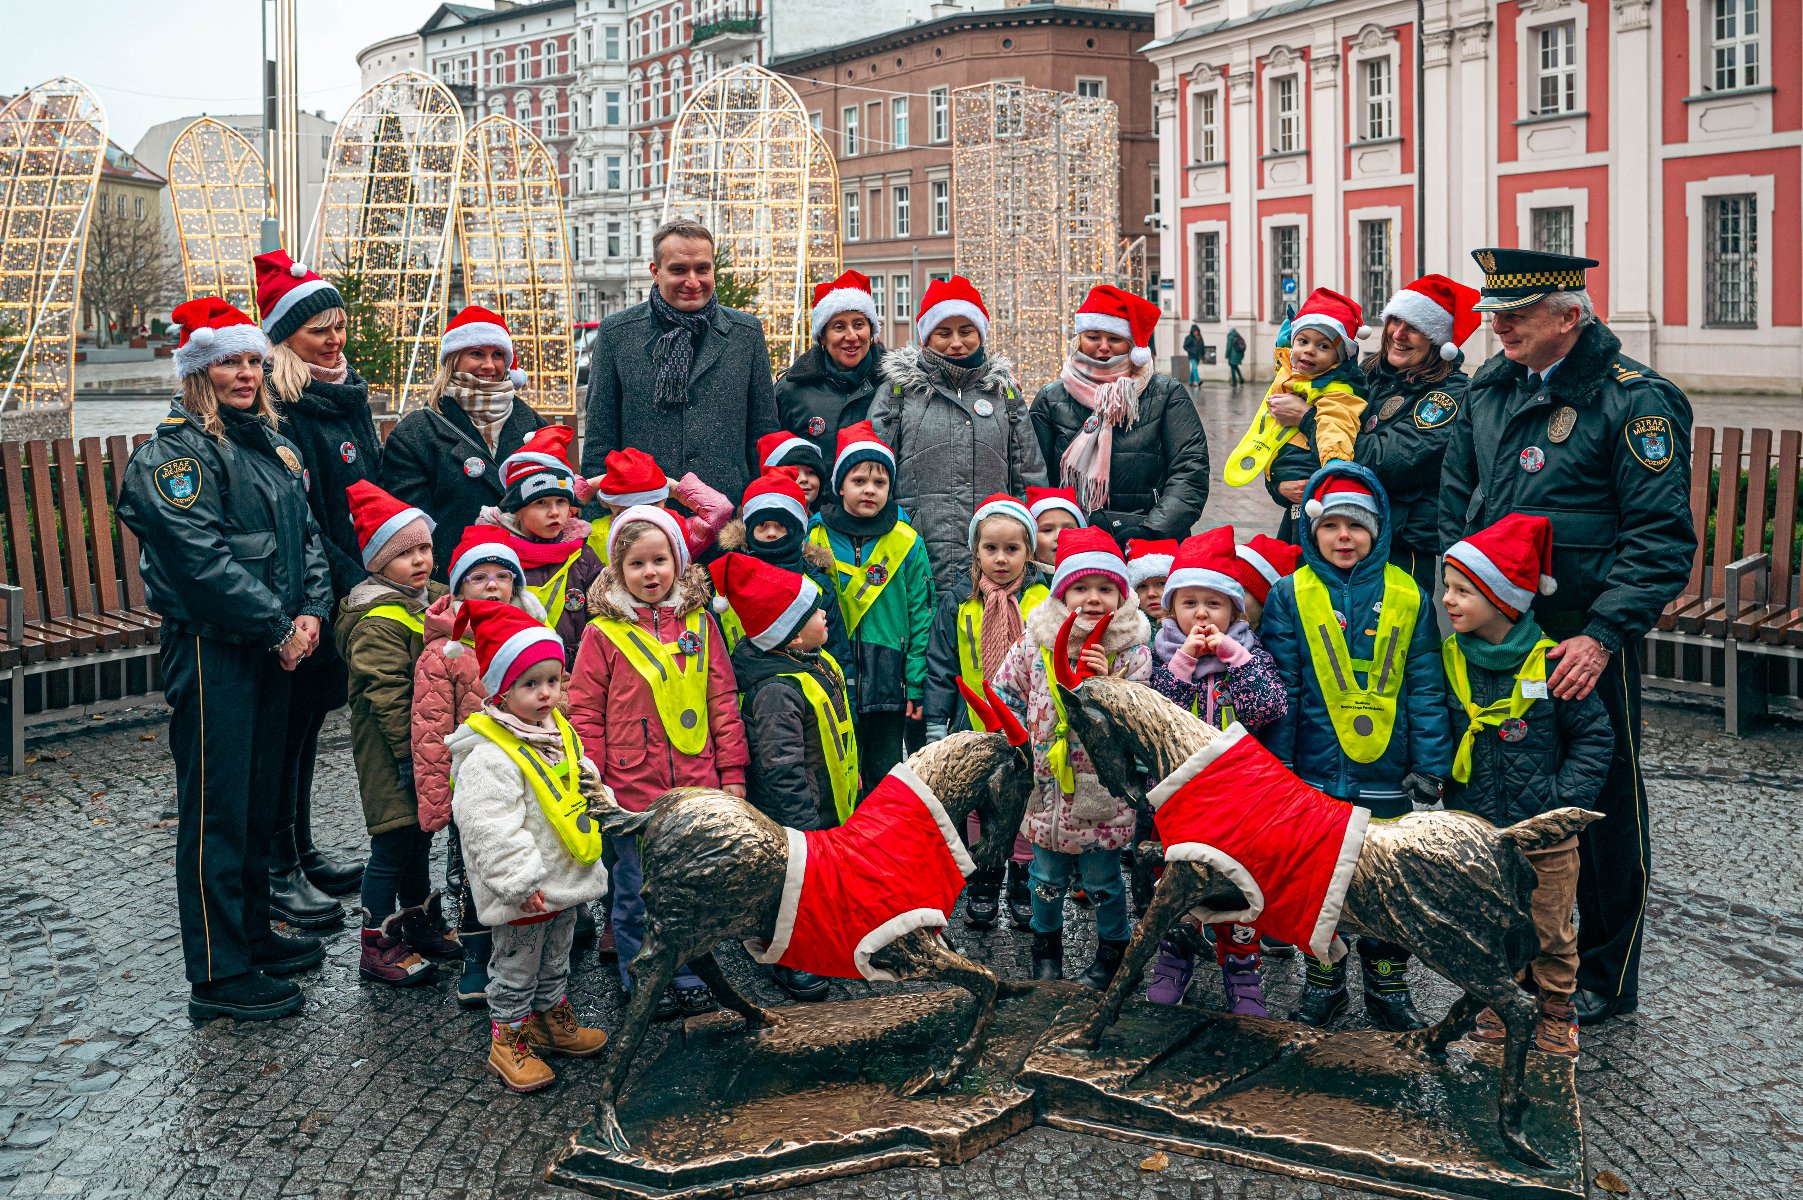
[
  {"x": 943, "y": 701},
  {"x": 1612, "y": 443},
  {"x": 1194, "y": 344},
  {"x": 1158, "y": 476},
  {"x": 229, "y": 549},
  {"x": 817, "y": 565},
  {"x": 1402, "y": 438},
  {"x": 787, "y": 780},
  {"x": 808, "y": 392},
  {"x": 331, "y": 426},
  {"x": 436, "y": 461}
]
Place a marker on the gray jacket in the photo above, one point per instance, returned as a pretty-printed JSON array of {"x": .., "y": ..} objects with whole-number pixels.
[
  {"x": 732, "y": 399},
  {"x": 948, "y": 454}
]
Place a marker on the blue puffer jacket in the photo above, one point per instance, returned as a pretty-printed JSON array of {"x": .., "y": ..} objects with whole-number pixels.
[{"x": 1304, "y": 737}]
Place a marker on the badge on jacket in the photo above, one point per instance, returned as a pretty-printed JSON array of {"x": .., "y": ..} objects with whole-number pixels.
[
  {"x": 473, "y": 467},
  {"x": 876, "y": 575},
  {"x": 983, "y": 408},
  {"x": 1561, "y": 423},
  {"x": 1532, "y": 459},
  {"x": 347, "y": 451},
  {"x": 688, "y": 642},
  {"x": 290, "y": 459},
  {"x": 1650, "y": 440},
  {"x": 1435, "y": 410},
  {"x": 178, "y": 481},
  {"x": 1513, "y": 729},
  {"x": 1391, "y": 407},
  {"x": 816, "y": 426}
]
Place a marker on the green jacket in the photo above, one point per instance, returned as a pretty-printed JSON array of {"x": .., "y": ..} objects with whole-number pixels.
[
  {"x": 1603, "y": 451},
  {"x": 381, "y": 654},
  {"x": 890, "y": 644}
]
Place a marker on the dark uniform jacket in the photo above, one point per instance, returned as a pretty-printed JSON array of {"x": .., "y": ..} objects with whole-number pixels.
[
  {"x": 229, "y": 550},
  {"x": 787, "y": 780},
  {"x": 330, "y": 424},
  {"x": 816, "y": 400},
  {"x": 1158, "y": 473},
  {"x": 1611, "y": 443},
  {"x": 1402, "y": 438}
]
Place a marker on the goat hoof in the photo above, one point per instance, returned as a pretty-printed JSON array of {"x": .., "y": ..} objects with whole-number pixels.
[
  {"x": 607, "y": 1129},
  {"x": 1077, "y": 1041},
  {"x": 1520, "y": 1149},
  {"x": 927, "y": 1081}
]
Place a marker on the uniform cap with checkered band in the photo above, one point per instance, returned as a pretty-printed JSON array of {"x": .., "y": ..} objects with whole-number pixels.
[{"x": 1515, "y": 278}]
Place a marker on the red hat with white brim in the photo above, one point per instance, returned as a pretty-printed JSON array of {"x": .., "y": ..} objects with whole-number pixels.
[
  {"x": 1085, "y": 552},
  {"x": 1335, "y": 315},
  {"x": 1109, "y": 309},
  {"x": 540, "y": 468},
  {"x": 477, "y": 326},
  {"x": 946, "y": 299},
  {"x": 509, "y": 642},
  {"x": 1441, "y": 308},
  {"x": 631, "y": 476},
  {"x": 1345, "y": 496},
  {"x": 1207, "y": 560},
  {"x": 771, "y": 603},
  {"x": 1263, "y": 561},
  {"x": 1510, "y": 562},
  {"x": 785, "y": 449},
  {"x": 859, "y": 444},
  {"x": 848, "y": 293},
  {"x": 289, "y": 294},
  {"x": 213, "y": 331},
  {"x": 1041, "y": 500},
  {"x": 775, "y": 495},
  {"x": 1149, "y": 558},
  {"x": 386, "y": 528},
  {"x": 484, "y": 544}
]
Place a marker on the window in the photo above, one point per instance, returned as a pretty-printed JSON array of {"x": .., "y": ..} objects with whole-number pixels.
[
  {"x": 902, "y": 226},
  {"x": 939, "y": 114},
  {"x": 610, "y": 43},
  {"x": 545, "y": 65},
  {"x": 588, "y": 174},
  {"x": 849, "y": 220},
  {"x": 875, "y": 210},
  {"x": 1557, "y": 75},
  {"x": 1734, "y": 40},
  {"x": 1380, "y": 99},
  {"x": 613, "y": 239},
  {"x": 1094, "y": 89},
  {"x": 137, "y": 205},
  {"x": 613, "y": 172},
  {"x": 1375, "y": 277},
  {"x": 1208, "y": 126},
  {"x": 848, "y": 132},
  {"x": 1208, "y": 277},
  {"x": 876, "y": 295},
  {"x": 120, "y": 207},
  {"x": 523, "y": 59},
  {"x": 1286, "y": 105},
  {"x": 942, "y": 206},
  {"x": 898, "y": 122},
  {"x": 1550, "y": 230},
  {"x": 588, "y": 44},
  {"x": 1731, "y": 262},
  {"x": 611, "y": 107},
  {"x": 903, "y": 285},
  {"x": 1286, "y": 266}
]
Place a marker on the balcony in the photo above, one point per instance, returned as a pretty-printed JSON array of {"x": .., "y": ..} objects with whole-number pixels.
[{"x": 727, "y": 34}]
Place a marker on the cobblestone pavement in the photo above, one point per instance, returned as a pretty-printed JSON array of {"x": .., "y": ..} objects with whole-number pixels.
[{"x": 106, "y": 1088}]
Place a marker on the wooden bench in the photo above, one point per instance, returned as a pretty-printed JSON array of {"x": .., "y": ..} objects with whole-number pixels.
[{"x": 69, "y": 578}]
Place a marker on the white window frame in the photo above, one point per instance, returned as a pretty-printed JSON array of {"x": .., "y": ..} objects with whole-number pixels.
[
  {"x": 902, "y": 202},
  {"x": 614, "y": 175},
  {"x": 851, "y": 219},
  {"x": 1197, "y": 231},
  {"x": 848, "y": 131},
  {"x": 1377, "y": 98},
  {"x": 1205, "y": 127},
  {"x": 1550, "y": 43},
  {"x": 1098, "y": 85},
  {"x": 939, "y": 115},
  {"x": 1272, "y": 301},
  {"x": 902, "y": 290},
  {"x": 1288, "y": 132},
  {"x": 610, "y": 43},
  {"x": 616, "y": 241},
  {"x": 939, "y": 191},
  {"x": 1533, "y": 241},
  {"x": 1373, "y": 296},
  {"x": 876, "y": 298},
  {"x": 1697, "y": 194},
  {"x": 1738, "y": 46},
  {"x": 898, "y": 123}
]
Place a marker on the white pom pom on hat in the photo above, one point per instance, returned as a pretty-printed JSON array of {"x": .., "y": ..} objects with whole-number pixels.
[
  {"x": 202, "y": 337},
  {"x": 298, "y": 270},
  {"x": 1548, "y": 585},
  {"x": 1448, "y": 351},
  {"x": 1313, "y": 509},
  {"x": 1365, "y": 331},
  {"x": 720, "y": 604},
  {"x": 1140, "y": 356},
  {"x": 454, "y": 650},
  {"x": 518, "y": 376}
]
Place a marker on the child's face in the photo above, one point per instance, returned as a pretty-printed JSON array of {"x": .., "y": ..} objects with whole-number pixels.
[
  {"x": 544, "y": 518},
  {"x": 1469, "y": 609},
  {"x": 1312, "y": 352},
  {"x": 534, "y": 694},
  {"x": 1192, "y": 605},
  {"x": 649, "y": 568},
  {"x": 1093, "y": 595},
  {"x": 809, "y": 481},
  {"x": 411, "y": 568},
  {"x": 1342, "y": 541},
  {"x": 486, "y": 581},
  {"x": 812, "y": 634},
  {"x": 769, "y": 531},
  {"x": 1051, "y": 521},
  {"x": 1151, "y": 598},
  {"x": 1255, "y": 611},
  {"x": 866, "y": 489},
  {"x": 1001, "y": 550}
]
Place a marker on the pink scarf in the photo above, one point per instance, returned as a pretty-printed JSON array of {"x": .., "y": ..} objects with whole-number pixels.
[
  {"x": 1109, "y": 389},
  {"x": 1002, "y": 625},
  {"x": 337, "y": 374}
]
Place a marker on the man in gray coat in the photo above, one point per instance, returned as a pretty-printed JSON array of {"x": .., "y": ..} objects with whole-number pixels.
[{"x": 680, "y": 376}]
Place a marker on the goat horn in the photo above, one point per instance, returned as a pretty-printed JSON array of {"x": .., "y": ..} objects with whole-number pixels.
[
  {"x": 1061, "y": 656},
  {"x": 978, "y": 705},
  {"x": 1091, "y": 642},
  {"x": 1004, "y": 716}
]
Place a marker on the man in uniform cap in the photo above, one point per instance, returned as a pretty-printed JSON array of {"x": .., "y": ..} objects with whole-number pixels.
[{"x": 1563, "y": 425}]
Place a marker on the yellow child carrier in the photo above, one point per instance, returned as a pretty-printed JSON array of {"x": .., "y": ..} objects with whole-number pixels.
[
  {"x": 860, "y": 586},
  {"x": 1363, "y": 713},
  {"x": 1510, "y": 707},
  {"x": 970, "y": 639},
  {"x": 681, "y": 693},
  {"x": 558, "y": 789},
  {"x": 838, "y": 737},
  {"x": 398, "y": 613}
]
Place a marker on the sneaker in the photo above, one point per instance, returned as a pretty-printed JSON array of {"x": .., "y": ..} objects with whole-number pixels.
[
  {"x": 1245, "y": 990},
  {"x": 1171, "y": 973},
  {"x": 388, "y": 959},
  {"x": 1489, "y": 1028},
  {"x": 557, "y": 1030},
  {"x": 1386, "y": 991},
  {"x": 512, "y": 1058},
  {"x": 425, "y": 930},
  {"x": 279, "y": 954},
  {"x": 695, "y": 1000},
  {"x": 1556, "y": 1029},
  {"x": 252, "y": 996}
]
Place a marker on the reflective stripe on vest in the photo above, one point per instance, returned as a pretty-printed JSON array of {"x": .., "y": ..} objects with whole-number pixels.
[
  {"x": 1363, "y": 713},
  {"x": 858, "y": 591},
  {"x": 838, "y": 737},
  {"x": 1223, "y": 710},
  {"x": 970, "y": 639},
  {"x": 552, "y": 593},
  {"x": 1058, "y": 753},
  {"x": 681, "y": 695},
  {"x": 399, "y": 613},
  {"x": 732, "y": 630},
  {"x": 1533, "y": 670},
  {"x": 558, "y": 789}
]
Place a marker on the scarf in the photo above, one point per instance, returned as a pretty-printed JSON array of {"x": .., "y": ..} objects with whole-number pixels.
[
  {"x": 1002, "y": 624},
  {"x": 835, "y": 518},
  {"x": 333, "y": 374},
  {"x": 674, "y": 351},
  {"x": 1506, "y": 656},
  {"x": 548, "y": 742},
  {"x": 536, "y": 552},
  {"x": 1169, "y": 639},
  {"x": 1109, "y": 389},
  {"x": 487, "y": 403},
  {"x": 955, "y": 373},
  {"x": 784, "y": 552},
  {"x": 852, "y": 380}
]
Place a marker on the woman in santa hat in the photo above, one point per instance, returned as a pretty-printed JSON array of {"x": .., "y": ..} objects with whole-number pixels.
[
  {"x": 446, "y": 458},
  {"x": 831, "y": 384},
  {"x": 1125, "y": 437}
]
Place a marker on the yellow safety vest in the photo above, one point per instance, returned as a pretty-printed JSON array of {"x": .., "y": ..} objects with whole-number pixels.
[
  {"x": 1223, "y": 713},
  {"x": 397, "y": 612},
  {"x": 558, "y": 789},
  {"x": 970, "y": 639},
  {"x": 597, "y": 535},
  {"x": 732, "y": 630},
  {"x": 681, "y": 694},
  {"x": 860, "y": 585},
  {"x": 1058, "y": 754},
  {"x": 1363, "y": 714},
  {"x": 1251, "y": 458},
  {"x": 553, "y": 593},
  {"x": 838, "y": 737},
  {"x": 1514, "y": 705}
]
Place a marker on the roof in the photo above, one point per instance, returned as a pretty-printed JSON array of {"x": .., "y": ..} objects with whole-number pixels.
[
  {"x": 1264, "y": 14},
  {"x": 119, "y": 164},
  {"x": 995, "y": 18},
  {"x": 458, "y": 16}
]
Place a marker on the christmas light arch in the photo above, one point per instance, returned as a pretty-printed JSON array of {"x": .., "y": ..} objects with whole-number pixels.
[{"x": 220, "y": 193}]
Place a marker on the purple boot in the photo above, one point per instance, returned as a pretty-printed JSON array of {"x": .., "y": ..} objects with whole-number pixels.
[
  {"x": 1171, "y": 972},
  {"x": 1245, "y": 991}
]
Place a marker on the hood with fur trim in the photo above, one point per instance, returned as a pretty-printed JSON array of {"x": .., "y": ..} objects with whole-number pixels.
[
  {"x": 908, "y": 369},
  {"x": 608, "y": 597},
  {"x": 1128, "y": 629},
  {"x": 736, "y": 537}
]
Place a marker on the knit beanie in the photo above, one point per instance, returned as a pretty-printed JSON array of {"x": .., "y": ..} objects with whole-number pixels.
[
  {"x": 1343, "y": 496},
  {"x": 386, "y": 528},
  {"x": 540, "y": 468},
  {"x": 664, "y": 519},
  {"x": 1001, "y": 504}
]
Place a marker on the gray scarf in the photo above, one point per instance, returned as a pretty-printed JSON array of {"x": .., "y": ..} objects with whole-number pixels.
[{"x": 675, "y": 351}]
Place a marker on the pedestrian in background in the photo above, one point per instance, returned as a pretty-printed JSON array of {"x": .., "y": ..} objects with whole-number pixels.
[
  {"x": 1236, "y": 354},
  {"x": 1196, "y": 348}
]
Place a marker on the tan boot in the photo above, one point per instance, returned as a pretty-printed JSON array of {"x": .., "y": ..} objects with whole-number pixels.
[
  {"x": 1556, "y": 1030},
  {"x": 1489, "y": 1028},
  {"x": 513, "y": 1060},
  {"x": 557, "y": 1031}
]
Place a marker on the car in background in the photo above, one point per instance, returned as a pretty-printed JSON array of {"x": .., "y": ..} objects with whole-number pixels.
[{"x": 582, "y": 334}]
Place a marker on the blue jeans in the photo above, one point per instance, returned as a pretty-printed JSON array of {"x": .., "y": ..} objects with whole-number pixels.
[
  {"x": 1100, "y": 873},
  {"x": 1195, "y": 369},
  {"x": 622, "y": 858}
]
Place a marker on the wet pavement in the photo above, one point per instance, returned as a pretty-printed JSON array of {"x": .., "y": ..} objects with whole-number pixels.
[{"x": 107, "y": 1089}]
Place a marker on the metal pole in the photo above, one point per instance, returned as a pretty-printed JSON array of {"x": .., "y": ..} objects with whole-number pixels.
[
  {"x": 270, "y": 237},
  {"x": 284, "y": 170}
]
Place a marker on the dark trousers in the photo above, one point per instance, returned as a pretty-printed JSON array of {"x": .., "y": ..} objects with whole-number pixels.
[
  {"x": 1235, "y": 377},
  {"x": 318, "y": 689},
  {"x": 399, "y": 874},
  {"x": 227, "y": 735},
  {"x": 1615, "y": 854},
  {"x": 880, "y": 746}
]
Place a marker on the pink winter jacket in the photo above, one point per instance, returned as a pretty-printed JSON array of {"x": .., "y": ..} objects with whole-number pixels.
[{"x": 614, "y": 712}]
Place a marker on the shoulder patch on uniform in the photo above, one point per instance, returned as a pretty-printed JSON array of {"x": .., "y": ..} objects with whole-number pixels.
[
  {"x": 1650, "y": 441},
  {"x": 178, "y": 481},
  {"x": 1434, "y": 410},
  {"x": 1626, "y": 374},
  {"x": 172, "y": 420}
]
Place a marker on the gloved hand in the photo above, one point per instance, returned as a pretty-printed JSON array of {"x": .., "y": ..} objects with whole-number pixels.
[
  {"x": 1425, "y": 792},
  {"x": 405, "y": 767},
  {"x": 936, "y": 731}
]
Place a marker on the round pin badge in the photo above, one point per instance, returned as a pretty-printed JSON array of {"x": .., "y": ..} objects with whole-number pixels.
[
  {"x": 306, "y": 479},
  {"x": 574, "y": 597},
  {"x": 877, "y": 575},
  {"x": 347, "y": 451},
  {"x": 1092, "y": 424},
  {"x": 1371, "y": 425},
  {"x": 473, "y": 467},
  {"x": 689, "y": 642},
  {"x": 1512, "y": 730},
  {"x": 816, "y": 426},
  {"x": 1532, "y": 459},
  {"x": 983, "y": 408}
]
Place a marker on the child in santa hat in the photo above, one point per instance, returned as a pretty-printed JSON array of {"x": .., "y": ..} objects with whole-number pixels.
[
  {"x": 1523, "y": 751},
  {"x": 1076, "y": 826},
  {"x": 1210, "y": 662},
  {"x": 1355, "y": 642},
  {"x": 381, "y": 633},
  {"x": 653, "y": 695},
  {"x": 524, "y": 787},
  {"x": 1148, "y": 565},
  {"x": 798, "y": 718},
  {"x": 1259, "y": 563},
  {"x": 1053, "y": 510},
  {"x": 631, "y": 476},
  {"x": 885, "y": 590},
  {"x": 798, "y": 454}
]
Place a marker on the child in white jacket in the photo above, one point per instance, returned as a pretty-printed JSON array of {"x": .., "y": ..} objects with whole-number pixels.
[{"x": 520, "y": 793}]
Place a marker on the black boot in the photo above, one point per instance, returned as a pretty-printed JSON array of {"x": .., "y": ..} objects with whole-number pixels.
[
  {"x": 1020, "y": 896},
  {"x": 292, "y": 896},
  {"x": 801, "y": 985},
  {"x": 333, "y": 874},
  {"x": 423, "y": 928},
  {"x": 1048, "y": 955},
  {"x": 1323, "y": 993},
  {"x": 472, "y": 987},
  {"x": 1100, "y": 973},
  {"x": 982, "y": 899},
  {"x": 279, "y": 955},
  {"x": 1387, "y": 1000},
  {"x": 252, "y": 996}
]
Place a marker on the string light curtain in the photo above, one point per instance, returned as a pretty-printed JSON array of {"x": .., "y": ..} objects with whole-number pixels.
[
  {"x": 1035, "y": 212},
  {"x": 515, "y": 254},
  {"x": 385, "y": 220},
  {"x": 52, "y": 141},
  {"x": 745, "y": 162},
  {"x": 220, "y": 193}
]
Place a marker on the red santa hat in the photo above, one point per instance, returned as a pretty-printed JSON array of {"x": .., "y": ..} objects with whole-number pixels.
[
  {"x": 1345, "y": 495},
  {"x": 213, "y": 331},
  {"x": 477, "y": 326},
  {"x": 1335, "y": 315},
  {"x": 673, "y": 528},
  {"x": 1084, "y": 552},
  {"x": 771, "y": 603},
  {"x": 1041, "y": 500},
  {"x": 775, "y": 496},
  {"x": 1510, "y": 562},
  {"x": 785, "y": 449},
  {"x": 540, "y": 468},
  {"x": 859, "y": 444},
  {"x": 1114, "y": 310},
  {"x": 1149, "y": 558},
  {"x": 289, "y": 295},
  {"x": 1207, "y": 560},
  {"x": 1439, "y": 307},
  {"x": 848, "y": 293},
  {"x": 509, "y": 642},
  {"x": 1001, "y": 504},
  {"x": 631, "y": 476},
  {"x": 385, "y": 527},
  {"x": 948, "y": 298},
  {"x": 485, "y": 544},
  {"x": 1262, "y": 561}
]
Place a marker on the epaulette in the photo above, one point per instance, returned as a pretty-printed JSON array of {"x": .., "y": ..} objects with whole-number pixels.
[
  {"x": 1625, "y": 373},
  {"x": 168, "y": 421}
]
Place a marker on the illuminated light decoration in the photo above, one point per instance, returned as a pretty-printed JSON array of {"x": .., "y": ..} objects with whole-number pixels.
[
  {"x": 1130, "y": 267},
  {"x": 746, "y": 162},
  {"x": 1035, "y": 213},
  {"x": 515, "y": 254},
  {"x": 386, "y": 214},
  {"x": 52, "y": 141},
  {"x": 220, "y": 193}
]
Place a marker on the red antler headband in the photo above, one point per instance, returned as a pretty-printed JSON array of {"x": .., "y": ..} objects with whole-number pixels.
[
  {"x": 1068, "y": 678},
  {"x": 996, "y": 716}
]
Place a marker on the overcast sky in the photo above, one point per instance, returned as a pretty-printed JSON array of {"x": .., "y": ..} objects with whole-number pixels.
[{"x": 152, "y": 62}]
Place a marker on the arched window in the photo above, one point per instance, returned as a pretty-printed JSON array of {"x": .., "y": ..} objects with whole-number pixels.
[
  {"x": 522, "y": 63},
  {"x": 676, "y": 24}
]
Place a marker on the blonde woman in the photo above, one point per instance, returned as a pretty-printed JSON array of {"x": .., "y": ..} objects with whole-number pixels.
[{"x": 241, "y": 584}]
